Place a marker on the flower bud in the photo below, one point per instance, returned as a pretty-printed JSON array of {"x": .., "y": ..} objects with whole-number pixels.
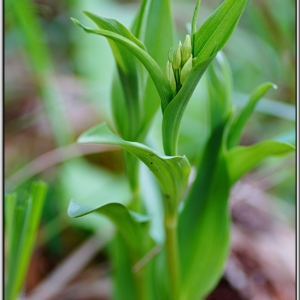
[
  {"x": 186, "y": 49},
  {"x": 171, "y": 77},
  {"x": 177, "y": 57},
  {"x": 186, "y": 69}
]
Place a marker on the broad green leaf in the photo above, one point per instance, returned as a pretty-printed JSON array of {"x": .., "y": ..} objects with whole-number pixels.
[
  {"x": 160, "y": 80},
  {"x": 171, "y": 171},
  {"x": 219, "y": 86},
  {"x": 242, "y": 159},
  {"x": 174, "y": 112},
  {"x": 24, "y": 233},
  {"x": 132, "y": 226},
  {"x": 217, "y": 29},
  {"x": 203, "y": 229},
  {"x": 237, "y": 126}
]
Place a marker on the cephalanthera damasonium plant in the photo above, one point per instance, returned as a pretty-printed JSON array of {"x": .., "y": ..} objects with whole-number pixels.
[{"x": 188, "y": 261}]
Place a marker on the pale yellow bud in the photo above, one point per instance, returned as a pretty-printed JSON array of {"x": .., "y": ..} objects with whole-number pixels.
[
  {"x": 177, "y": 57},
  {"x": 186, "y": 69},
  {"x": 186, "y": 49},
  {"x": 171, "y": 77}
]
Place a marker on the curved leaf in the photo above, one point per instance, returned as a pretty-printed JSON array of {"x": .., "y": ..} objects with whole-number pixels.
[
  {"x": 236, "y": 128},
  {"x": 160, "y": 80},
  {"x": 173, "y": 114},
  {"x": 129, "y": 76},
  {"x": 114, "y": 26},
  {"x": 171, "y": 171},
  {"x": 242, "y": 159},
  {"x": 132, "y": 226},
  {"x": 203, "y": 228},
  {"x": 217, "y": 29}
]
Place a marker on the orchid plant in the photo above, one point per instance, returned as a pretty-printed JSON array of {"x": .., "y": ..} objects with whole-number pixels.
[{"x": 188, "y": 261}]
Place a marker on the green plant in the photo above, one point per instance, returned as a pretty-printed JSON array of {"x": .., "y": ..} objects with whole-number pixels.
[
  {"x": 21, "y": 219},
  {"x": 189, "y": 260}
]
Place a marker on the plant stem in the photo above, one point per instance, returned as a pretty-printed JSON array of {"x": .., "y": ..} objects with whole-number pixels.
[
  {"x": 139, "y": 282},
  {"x": 172, "y": 255}
]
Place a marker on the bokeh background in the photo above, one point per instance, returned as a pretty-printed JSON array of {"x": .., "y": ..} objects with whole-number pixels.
[{"x": 57, "y": 84}]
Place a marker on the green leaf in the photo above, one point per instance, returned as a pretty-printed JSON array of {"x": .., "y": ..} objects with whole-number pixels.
[
  {"x": 194, "y": 21},
  {"x": 94, "y": 186},
  {"x": 239, "y": 122},
  {"x": 203, "y": 228},
  {"x": 242, "y": 159},
  {"x": 138, "y": 23},
  {"x": 114, "y": 26},
  {"x": 217, "y": 29},
  {"x": 133, "y": 238},
  {"x": 128, "y": 71},
  {"x": 160, "y": 80},
  {"x": 171, "y": 171},
  {"x": 158, "y": 40},
  {"x": 24, "y": 233},
  {"x": 132, "y": 226},
  {"x": 174, "y": 112},
  {"x": 219, "y": 87},
  {"x": 121, "y": 265}
]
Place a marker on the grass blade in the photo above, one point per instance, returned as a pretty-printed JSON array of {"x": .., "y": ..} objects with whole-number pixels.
[{"x": 24, "y": 233}]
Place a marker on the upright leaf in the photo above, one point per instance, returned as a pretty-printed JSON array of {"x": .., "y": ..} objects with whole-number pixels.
[
  {"x": 158, "y": 39},
  {"x": 203, "y": 229},
  {"x": 27, "y": 217},
  {"x": 174, "y": 111},
  {"x": 207, "y": 41},
  {"x": 128, "y": 74},
  {"x": 217, "y": 29}
]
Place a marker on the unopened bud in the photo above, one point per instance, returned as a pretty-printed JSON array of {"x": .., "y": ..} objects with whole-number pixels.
[
  {"x": 177, "y": 57},
  {"x": 186, "y": 69},
  {"x": 186, "y": 49},
  {"x": 171, "y": 77}
]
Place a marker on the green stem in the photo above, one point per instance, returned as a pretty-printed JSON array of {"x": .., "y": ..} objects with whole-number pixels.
[
  {"x": 172, "y": 255},
  {"x": 139, "y": 282}
]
